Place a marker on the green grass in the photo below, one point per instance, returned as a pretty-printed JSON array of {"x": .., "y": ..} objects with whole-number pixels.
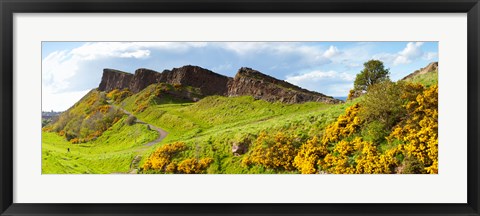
[
  {"x": 209, "y": 127},
  {"x": 427, "y": 79},
  {"x": 111, "y": 152}
]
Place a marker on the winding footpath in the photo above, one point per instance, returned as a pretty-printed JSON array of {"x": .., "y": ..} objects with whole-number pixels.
[{"x": 136, "y": 160}]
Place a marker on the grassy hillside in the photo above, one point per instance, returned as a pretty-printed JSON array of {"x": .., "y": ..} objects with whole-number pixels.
[
  {"x": 426, "y": 79},
  {"x": 391, "y": 129},
  {"x": 112, "y": 152},
  {"x": 209, "y": 128},
  {"x": 87, "y": 119}
]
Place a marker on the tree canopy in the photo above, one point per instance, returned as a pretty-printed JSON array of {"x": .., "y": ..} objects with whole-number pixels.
[{"x": 373, "y": 72}]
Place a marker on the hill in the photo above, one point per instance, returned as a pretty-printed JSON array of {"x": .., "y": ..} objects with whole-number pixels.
[
  {"x": 252, "y": 123},
  {"x": 246, "y": 82},
  {"x": 427, "y": 76}
]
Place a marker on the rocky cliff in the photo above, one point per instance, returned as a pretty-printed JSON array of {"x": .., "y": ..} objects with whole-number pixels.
[
  {"x": 208, "y": 82},
  {"x": 261, "y": 86},
  {"x": 246, "y": 82},
  {"x": 114, "y": 79}
]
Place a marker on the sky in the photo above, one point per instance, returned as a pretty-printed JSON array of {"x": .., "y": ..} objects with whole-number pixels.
[{"x": 71, "y": 69}]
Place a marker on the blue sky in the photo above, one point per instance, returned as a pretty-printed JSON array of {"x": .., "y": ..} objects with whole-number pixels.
[{"x": 71, "y": 69}]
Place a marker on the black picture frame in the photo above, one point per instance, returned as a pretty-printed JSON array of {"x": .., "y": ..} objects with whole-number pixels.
[{"x": 9, "y": 7}]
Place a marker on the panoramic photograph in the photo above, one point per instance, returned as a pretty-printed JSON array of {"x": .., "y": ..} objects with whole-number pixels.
[{"x": 240, "y": 107}]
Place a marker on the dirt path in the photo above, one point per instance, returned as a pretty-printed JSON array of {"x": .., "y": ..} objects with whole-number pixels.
[{"x": 136, "y": 160}]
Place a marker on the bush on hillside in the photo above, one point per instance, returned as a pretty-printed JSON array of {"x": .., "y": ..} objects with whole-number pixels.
[
  {"x": 419, "y": 131},
  {"x": 308, "y": 156},
  {"x": 163, "y": 156},
  {"x": 131, "y": 120},
  {"x": 383, "y": 103},
  {"x": 273, "y": 152},
  {"x": 194, "y": 166}
]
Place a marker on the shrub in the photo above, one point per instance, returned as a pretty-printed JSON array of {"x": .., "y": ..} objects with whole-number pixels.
[
  {"x": 119, "y": 95},
  {"x": 163, "y": 156},
  {"x": 308, "y": 155},
  {"x": 375, "y": 132},
  {"x": 384, "y": 103},
  {"x": 277, "y": 152},
  {"x": 171, "y": 168},
  {"x": 419, "y": 131},
  {"x": 345, "y": 125},
  {"x": 358, "y": 156},
  {"x": 194, "y": 166},
  {"x": 130, "y": 120}
]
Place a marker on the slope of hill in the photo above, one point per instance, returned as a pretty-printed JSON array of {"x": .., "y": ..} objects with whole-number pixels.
[
  {"x": 87, "y": 119},
  {"x": 252, "y": 124},
  {"x": 427, "y": 76},
  {"x": 98, "y": 124}
]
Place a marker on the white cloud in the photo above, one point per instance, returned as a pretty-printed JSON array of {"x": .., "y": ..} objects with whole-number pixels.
[
  {"x": 320, "y": 75},
  {"x": 308, "y": 54},
  {"x": 136, "y": 54},
  {"x": 60, "y": 66},
  {"x": 327, "y": 82},
  {"x": 331, "y": 52},
  {"x": 430, "y": 55},
  {"x": 411, "y": 52}
]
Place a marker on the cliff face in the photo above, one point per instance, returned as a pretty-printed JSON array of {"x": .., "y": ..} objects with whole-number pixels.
[
  {"x": 261, "y": 86},
  {"x": 114, "y": 79},
  {"x": 246, "y": 82},
  {"x": 208, "y": 82}
]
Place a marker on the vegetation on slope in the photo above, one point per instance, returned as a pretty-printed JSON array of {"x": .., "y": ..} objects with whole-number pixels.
[
  {"x": 391, "y": 128},
  {"x": 427, "y": 79},
  {"x": 87, "y": 119},
  {"x": 112, "y": 152}
]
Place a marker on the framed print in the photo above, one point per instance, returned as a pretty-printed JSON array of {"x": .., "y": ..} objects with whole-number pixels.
[{"x": 245, "y": 108}]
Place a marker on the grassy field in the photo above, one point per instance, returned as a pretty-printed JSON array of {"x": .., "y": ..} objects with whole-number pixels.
[{"x": 111, "y": 152}]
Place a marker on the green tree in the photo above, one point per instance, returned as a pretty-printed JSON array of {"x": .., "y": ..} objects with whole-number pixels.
[
  {"x": 372, "y": 73},
  {"x": 383, "y": 103}
]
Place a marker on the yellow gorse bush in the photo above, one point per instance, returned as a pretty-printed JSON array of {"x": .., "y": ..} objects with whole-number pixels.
[
  {"x": 371, "y": 161},
  {"x": 277, "y": 152},
  {"x": 194, "y": 166},
  {"x": 345, "y": 125},
  {"x": 163, "y": 156},
  {"x": 419, "y": 132},
  {"x": 118, "y": 95},
  {"x": 338, "y": 160},
  {"x": 308, "y": 155},
  {"x": 358, "y": 156}
]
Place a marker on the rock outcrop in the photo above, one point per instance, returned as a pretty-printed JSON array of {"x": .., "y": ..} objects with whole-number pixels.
[
  {"x": 246, "y": 82},
  {"x": 433, "y": 66},
  {"x": 209, "y": 83},
  {"x": 261, "y": 86},
  {"x": 143, "y": 78},
  {"x": 114, "y": 79}
]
